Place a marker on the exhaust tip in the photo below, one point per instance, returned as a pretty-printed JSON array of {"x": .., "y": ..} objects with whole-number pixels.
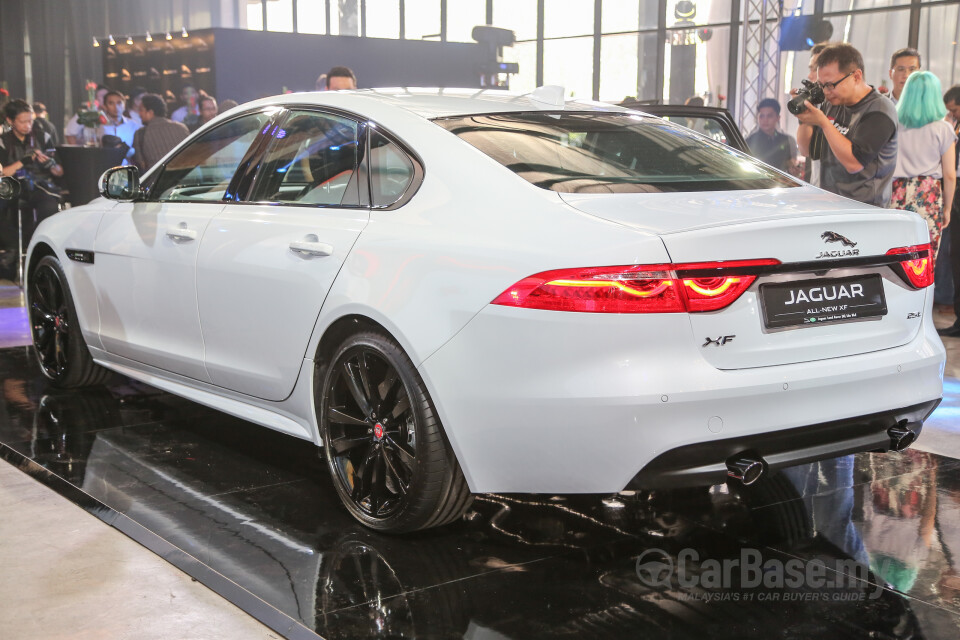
[
  {"x": 901, "y": 437},
  {"x": 747, "y": 469}
]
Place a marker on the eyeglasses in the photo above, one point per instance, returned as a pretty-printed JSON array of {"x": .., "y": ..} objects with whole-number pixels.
[{"x": 833, "y": 85}]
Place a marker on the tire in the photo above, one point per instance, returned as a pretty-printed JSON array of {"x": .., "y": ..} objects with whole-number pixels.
[
  {"x": 58, "y": 343},
  {"x": 385, "y": 448}
]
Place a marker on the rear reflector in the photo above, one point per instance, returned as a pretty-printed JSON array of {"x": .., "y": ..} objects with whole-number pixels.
[
  {"x": 659, "y": 288},
  {"x": 917, "y": 270}
]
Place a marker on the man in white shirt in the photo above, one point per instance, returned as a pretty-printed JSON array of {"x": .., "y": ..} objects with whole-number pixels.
[
  {"x": 189, "y": 113},
  {"x": 903, "y": 62},
  {"x": 117, "y": 124}
]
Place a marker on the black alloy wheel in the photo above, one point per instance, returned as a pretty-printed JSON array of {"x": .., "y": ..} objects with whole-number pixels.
[
  {"x": 384, "y": 445},
  {"x": 49, "y": 320},
  {"x": 58, "y": 342}
]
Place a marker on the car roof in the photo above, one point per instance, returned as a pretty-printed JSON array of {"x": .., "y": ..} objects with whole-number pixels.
[{"x": 436, "y": 103}]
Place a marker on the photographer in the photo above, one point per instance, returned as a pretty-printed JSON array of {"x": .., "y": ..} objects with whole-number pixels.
[
  {"x": 859, "y": 127},
  {"x": 25, "y": 153}
]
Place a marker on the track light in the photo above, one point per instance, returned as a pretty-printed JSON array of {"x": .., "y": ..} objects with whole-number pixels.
[
  {"x": 183, "y": 33},
  {"x": 112, "y": 41},
  {"x": 129, "y": 40},
  {"x": 96, "y": 42},
  {"x": 168, "y": 36},
  {"x": 149, "y": 37}
]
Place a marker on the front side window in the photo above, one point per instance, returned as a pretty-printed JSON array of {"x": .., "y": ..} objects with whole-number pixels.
[
  {"x": 203, "y": 169},
  {"x": 610, "y": 153},
  {"x": 391, "y": 171},
  {"x": 312, "y": 160}
]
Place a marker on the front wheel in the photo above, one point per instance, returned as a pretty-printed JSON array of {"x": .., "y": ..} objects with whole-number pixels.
[
  {"x": 58, "y": 342},
  {"x": 385, "y": 448}
]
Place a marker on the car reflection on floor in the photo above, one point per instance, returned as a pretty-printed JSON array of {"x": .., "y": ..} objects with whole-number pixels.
[{"x": 858, "y": 546}]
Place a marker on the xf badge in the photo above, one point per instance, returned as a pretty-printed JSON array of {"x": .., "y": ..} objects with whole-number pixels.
[{"x": 719, "y": 342}]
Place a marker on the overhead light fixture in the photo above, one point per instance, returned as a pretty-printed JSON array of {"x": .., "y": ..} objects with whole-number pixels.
[
  {"x": 112, "y": 41},
  {"x": 168, "y": 36},
  {"x": 129, "y": 40},
  {"x": 96, "y": 42},
  {"x": 149, "y": 37},
  {"x": 183, "y": 33}
]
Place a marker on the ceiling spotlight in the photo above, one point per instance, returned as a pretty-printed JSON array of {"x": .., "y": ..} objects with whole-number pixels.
[
  {"x": 112, "y": 41},
  {"x": 96, "y": 42},
  {"x": 183, "y": 33},
  {"x": 168, "y": 36},
  {"x": 129, "y": 40},
  {"x": 149, "y": 37}
]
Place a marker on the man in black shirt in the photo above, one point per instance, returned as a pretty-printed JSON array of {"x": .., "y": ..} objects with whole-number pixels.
[
  {"x": 23, "y": 154},
  {"x": 859, "y": 127},
  {"x": 767, "y": 143}
]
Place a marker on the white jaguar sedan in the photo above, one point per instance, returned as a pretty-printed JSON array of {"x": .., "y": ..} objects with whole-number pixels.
[{"x": 455, "y": 292}]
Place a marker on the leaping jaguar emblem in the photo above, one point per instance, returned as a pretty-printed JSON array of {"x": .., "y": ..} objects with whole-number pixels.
[{"x": 833, "y": 236}]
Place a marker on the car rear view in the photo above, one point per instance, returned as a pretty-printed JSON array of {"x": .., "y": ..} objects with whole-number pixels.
[{"x": 786, "y": 325}]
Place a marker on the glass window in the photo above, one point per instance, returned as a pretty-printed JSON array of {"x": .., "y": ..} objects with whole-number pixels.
[
  {"x": 569, "y": 63},
  {"x": 391, "y": 171},
  {"x": 627, "y": 15},
  {"x": 524, "y": 54},
  {"x": 462, "y": 17},
  {"x": 422, "y": 19},
  {"x": 606, "y": 153},
  {"x": 312, "y": 17},
  {"x": 568, "y": 18},
  {"x": 704, "y": 12},
  {"x": 939, "y": 27},
  {"x": 847, "y": 5},
  {"x": 254, "y": 15},
  {"x": 383, "y": 19},
  {"x": 312, "y": 160},
  {"x": 696, "y": 65},
  {"x": 203, "y": 169},
  {"x": 280, "y": 15},
  {"x": 618, "y": 67},
  {"x": 520, "y": 16}
]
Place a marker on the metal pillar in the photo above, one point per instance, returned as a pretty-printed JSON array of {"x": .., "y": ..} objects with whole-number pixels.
[{"x": 759, "y": 58}]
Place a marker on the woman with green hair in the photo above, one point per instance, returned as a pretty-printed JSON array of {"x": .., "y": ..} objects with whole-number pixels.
[{"x": 926, "y": 144}]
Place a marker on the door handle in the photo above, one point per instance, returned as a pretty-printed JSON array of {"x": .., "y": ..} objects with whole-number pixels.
[
  {"x": 181, "y": 234},
  {"x": 311, "y": 249}
]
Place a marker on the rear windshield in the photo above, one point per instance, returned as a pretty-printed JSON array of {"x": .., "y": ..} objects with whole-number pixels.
[{"x": 611, "y": 153}]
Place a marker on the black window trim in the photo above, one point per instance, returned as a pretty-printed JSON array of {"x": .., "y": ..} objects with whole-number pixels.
[{"x": 254, "y": 153}]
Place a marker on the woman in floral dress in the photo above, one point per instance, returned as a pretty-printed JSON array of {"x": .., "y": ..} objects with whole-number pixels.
[{"x": 926, "y": 144}]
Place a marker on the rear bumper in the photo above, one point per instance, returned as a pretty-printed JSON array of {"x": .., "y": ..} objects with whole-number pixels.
[
  {"x": 703, "y": 463},
  {"x": 549, "y": 402}
]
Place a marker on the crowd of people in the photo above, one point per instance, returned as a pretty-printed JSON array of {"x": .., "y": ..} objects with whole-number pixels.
[
  {"x": 891, "y": 148},
  {"x": 138, "y": 124}
]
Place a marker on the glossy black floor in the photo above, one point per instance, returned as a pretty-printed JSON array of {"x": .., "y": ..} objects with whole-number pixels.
[{"x": 861, "y": 546}]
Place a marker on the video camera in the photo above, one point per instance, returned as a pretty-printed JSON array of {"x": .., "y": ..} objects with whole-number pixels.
[{"x": 811, "y": 92}]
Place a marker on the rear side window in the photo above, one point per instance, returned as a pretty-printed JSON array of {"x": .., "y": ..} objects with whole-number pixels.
[
  {"x": 610, "y": 153},
  {"x": 391, "y": 171}
]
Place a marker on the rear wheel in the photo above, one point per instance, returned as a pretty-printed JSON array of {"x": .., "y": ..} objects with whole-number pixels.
[
  {"x": 385, "y": 448},
  {"x": 61, "y": 351}
]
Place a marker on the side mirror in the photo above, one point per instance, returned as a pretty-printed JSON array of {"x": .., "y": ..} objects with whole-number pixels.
[
  {"x": 9, "y": 188},
  {"x": 121, "y": 183}
]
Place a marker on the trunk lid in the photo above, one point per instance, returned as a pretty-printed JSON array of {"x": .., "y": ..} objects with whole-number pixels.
[{"x": 803, "y": 227}]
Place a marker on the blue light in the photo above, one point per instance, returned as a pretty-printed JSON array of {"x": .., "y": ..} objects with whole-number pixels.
[
  {"x": 337, "y": 148},
  {"x": 810, "y": 42}
]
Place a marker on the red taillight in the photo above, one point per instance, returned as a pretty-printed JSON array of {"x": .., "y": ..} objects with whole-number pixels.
[
  {"x": 919, "y": 268},
  {"x": 634, "y": 289},
  {"x": 631, "y": 289}
]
